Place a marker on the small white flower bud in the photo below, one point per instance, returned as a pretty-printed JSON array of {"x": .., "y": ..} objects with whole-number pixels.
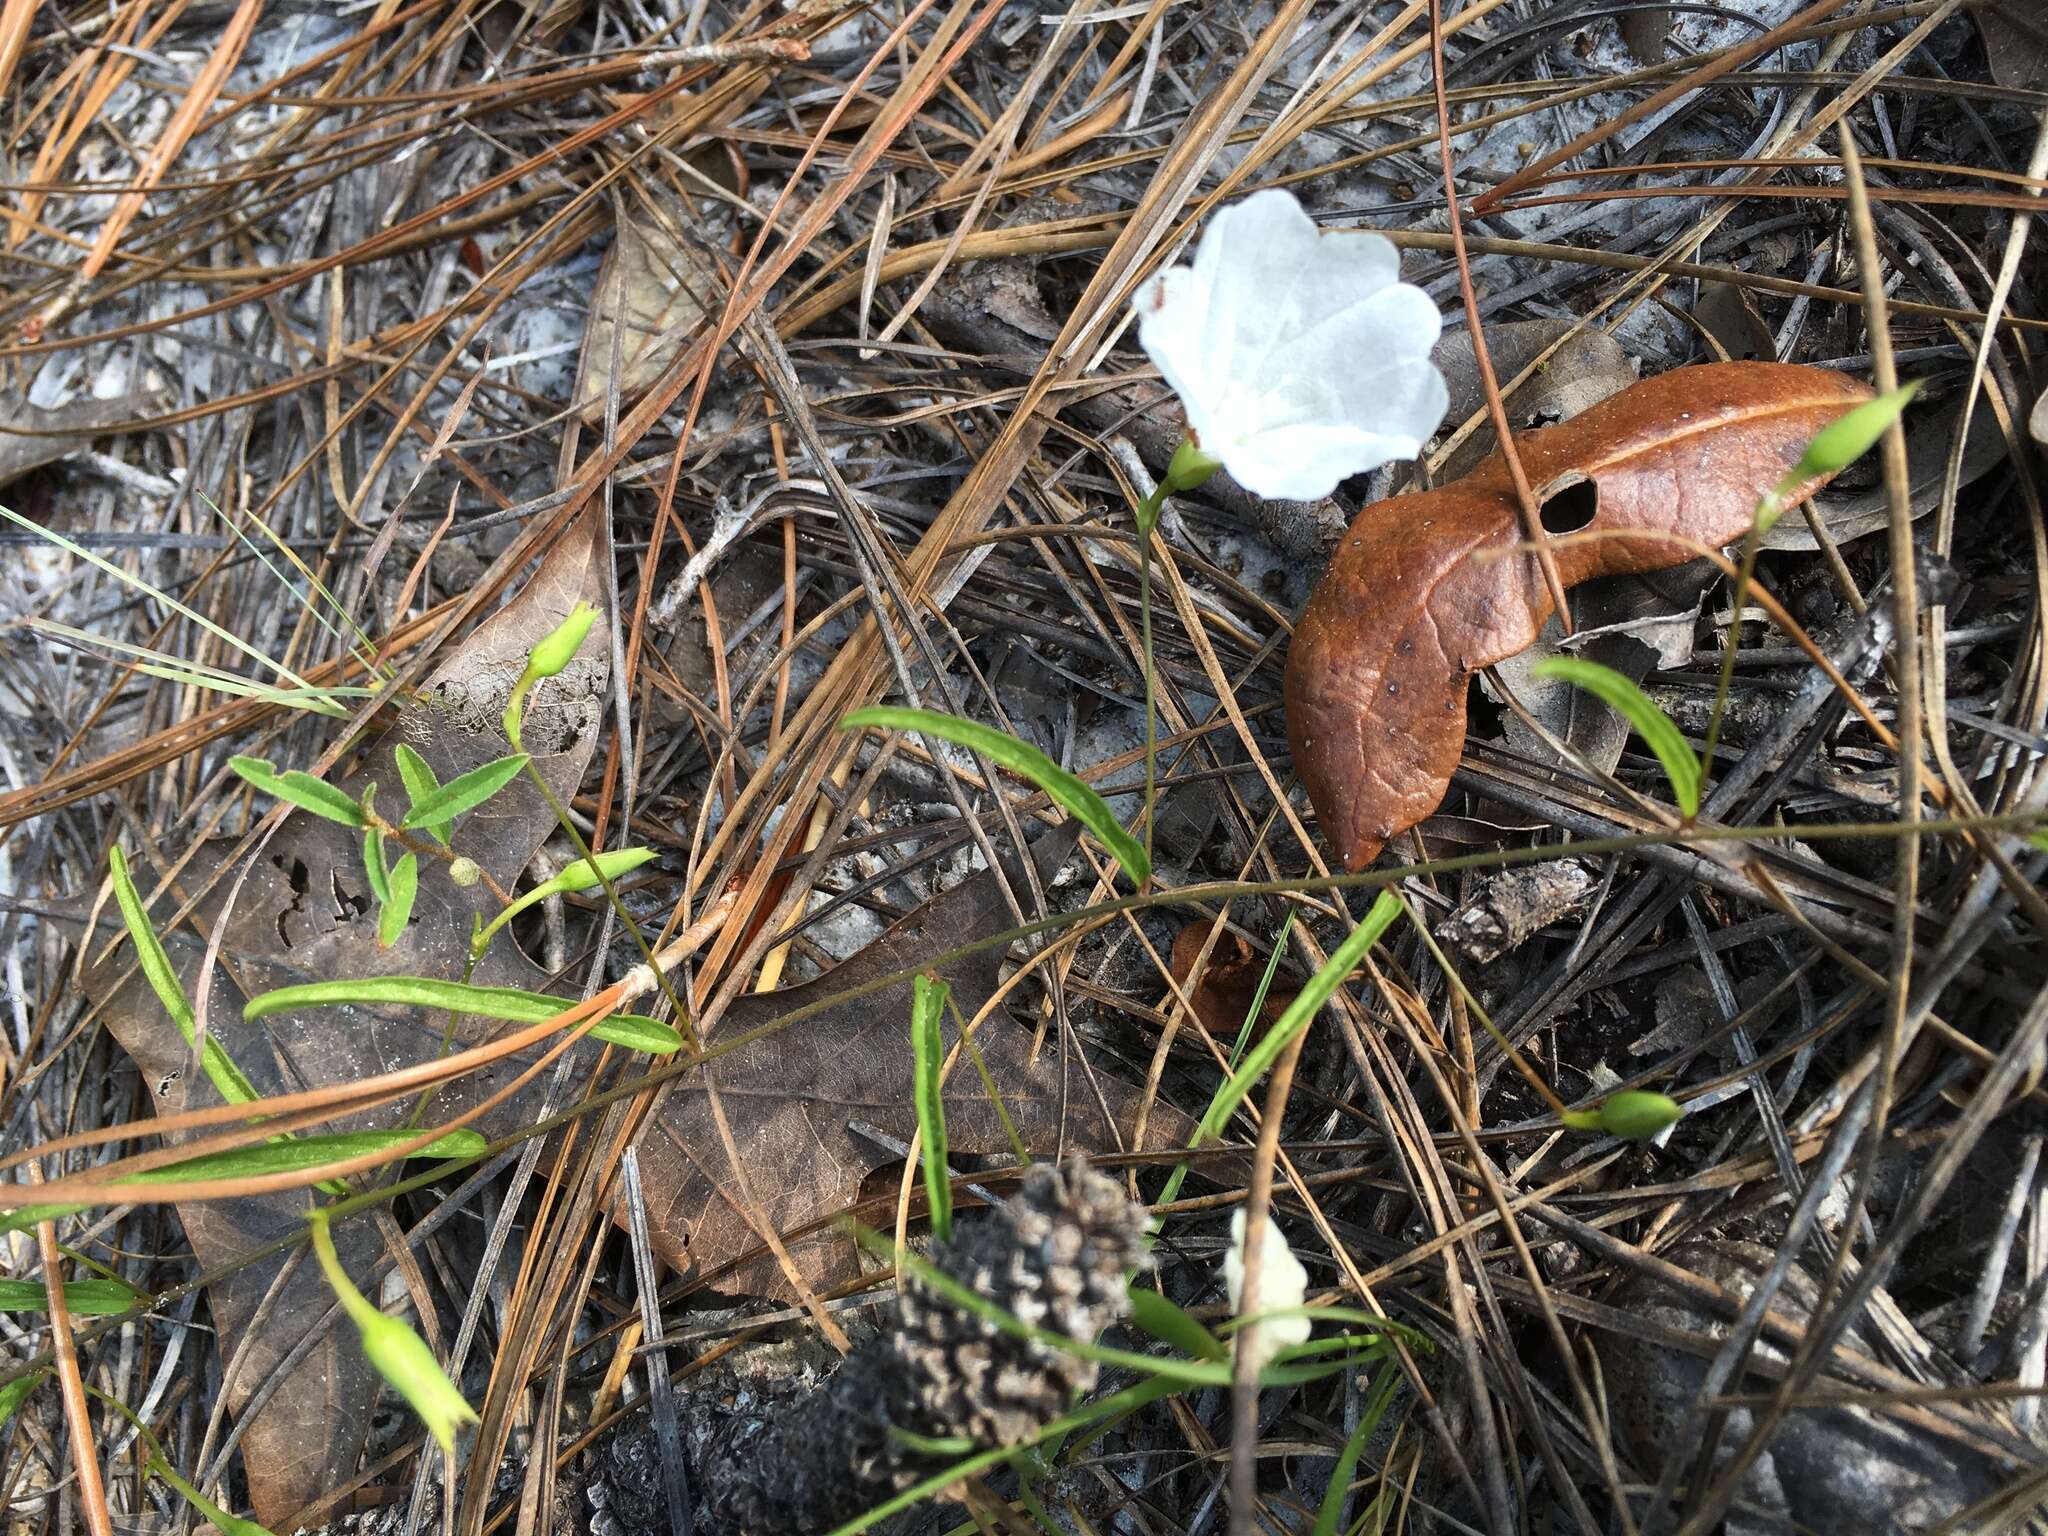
[{"x": 1282, "y": 1283}]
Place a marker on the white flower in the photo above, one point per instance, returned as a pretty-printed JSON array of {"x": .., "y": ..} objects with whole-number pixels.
[
  {"x": 1282, "y": 1283},
  {"x": 1301, "y": 356}
]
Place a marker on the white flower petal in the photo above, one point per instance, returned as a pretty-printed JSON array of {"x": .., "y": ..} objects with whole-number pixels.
[
  {"x": 1305, "y": 463},
  {"x": 1301, "y": 358},
  {"x": 1173, "y": 307},
  {"x": 1282, "y": 1283}
]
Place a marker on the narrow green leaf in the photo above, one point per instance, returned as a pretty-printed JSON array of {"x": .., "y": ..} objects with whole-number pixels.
[
  {"x": 396, "y": 912},
  {"x": 1080, "y": 801},
  {"x": 637, "y": 1032},
  {"x": 1681, "y": 764},
  {"x": 420, "y": 783},
  {"x": 1173, "y": 1324},
  {"x": 293, "y": 1155},
  {"x": 1373, "y": 1410},
  {"x": 300, "y": 789},
  {"x": 577, "y": 877},
  {"x": 1308, "y": 1002},
  {"x": 464, "y": 794},
  {"x": 212, "y": 1513},
  {"x": 928, "y": 1056},
  {"x": 88, "y": 1298},
  {"x": 228, "y": 1079},
  {"x": 374, "y": 867},
  {"x": 15, "y": 1393},
  {"x": 634, "y": 1031}
]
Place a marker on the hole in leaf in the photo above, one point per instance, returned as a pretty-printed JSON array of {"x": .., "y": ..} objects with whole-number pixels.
[{"x": 1571, "y": 507}]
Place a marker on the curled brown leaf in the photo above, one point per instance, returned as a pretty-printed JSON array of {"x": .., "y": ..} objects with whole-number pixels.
[{"x": 1422, "y": 591}]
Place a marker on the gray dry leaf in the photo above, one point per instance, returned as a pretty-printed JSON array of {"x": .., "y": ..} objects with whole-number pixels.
[
  {"x": 1725, "y": 312},
  {"x": 2015, "y": 41},
  {"x": 1633, "y": 624},
  {"x": 32, "y": 436},
  {"x": 1586, "y": 369},
  {"x": 303, "y": 915},
  {"x": 653, "y": 291},
  {"x": 2038, "y": 423}
]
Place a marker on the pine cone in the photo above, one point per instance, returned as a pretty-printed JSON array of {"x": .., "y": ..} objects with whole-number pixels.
[{"x": 1054, "y": 1255}]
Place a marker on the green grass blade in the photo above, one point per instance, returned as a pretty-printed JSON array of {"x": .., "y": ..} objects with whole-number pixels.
[
  {"x": 928, "y": 1056},
  {"x": 88, "y": 1298},
  {"x": 137, "y": 584},
  {"x": 228, "y": 1080},
  {"x": 15, "y": 1393},
  {"x": 464, "y": 794},
  {"x": 1681, "y": 764},
  {"x": 300, "y": 789},
  {"x": 1308, "y": 1002},
  {"x": 1369, "y": 1417},
  {"x": 1173, "y": 1324},
  {"x": 1021, "y": 758}
]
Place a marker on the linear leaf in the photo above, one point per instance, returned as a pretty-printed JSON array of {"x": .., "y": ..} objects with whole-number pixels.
[
  {"x": 635, "y": 1031},
  {"x": 928, "y": 1056},
  {"x": 228, "y": 1079},
  {"x": 1173, "y": 1324},
  {"x": 466, "y": 793},
  {"x": 396, "y": 912},
  {"x": 1681, "y": 764},
  {"x": 300, "y": 789},
  {"x": 1308, "y": 1002},
  {"x": 374, "y": 866},
  {"x": 88, "y": 1298},
  {"x": 1080, "y": 800},
  {"x": 283, "y": 1156}
]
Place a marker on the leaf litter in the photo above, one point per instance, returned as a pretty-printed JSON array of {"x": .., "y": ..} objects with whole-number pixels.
[{"x": 394, "y": 242}]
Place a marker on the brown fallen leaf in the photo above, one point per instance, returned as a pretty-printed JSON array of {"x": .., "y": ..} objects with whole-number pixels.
[
  {"x": 792, "y": 1096},
  {"x": 1411, "y": 606},
  {"x": 1222, "y": 996},
  {"x": 652, "y": 294}
]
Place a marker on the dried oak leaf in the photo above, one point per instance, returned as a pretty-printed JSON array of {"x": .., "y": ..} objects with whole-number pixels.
[
  {"x": 1422, "y": 592},
  {"x": 1223, "y": 994}
]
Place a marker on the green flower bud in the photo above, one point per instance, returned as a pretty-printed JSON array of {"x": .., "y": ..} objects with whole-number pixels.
[
  {"x": 1852, "y": 434},
  {"x": 1189, "y": 467},
  {"x": 577, "y": 875},
  {"x": 547, "y": 659},
  {"x": 559, "y": 649},
  {"x": 1636, "y": 1115},
  {"x": 464, "y": 871},
  {"x": 403, "y": 1359},
  {"x": 400, "y": 1355}
]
